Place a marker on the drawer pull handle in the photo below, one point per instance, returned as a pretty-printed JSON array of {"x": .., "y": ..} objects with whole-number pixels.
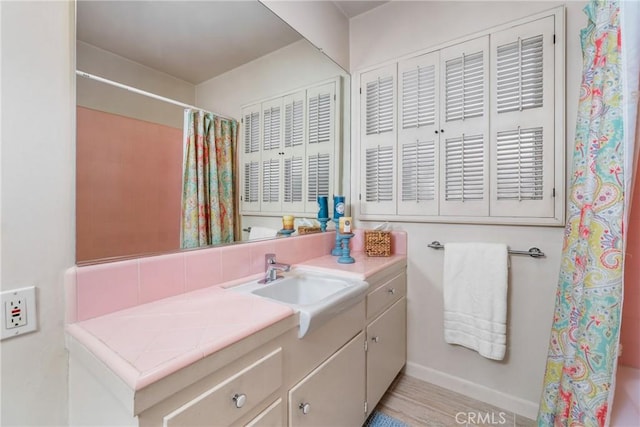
[
  {"x": 239, "y": 400},
  {"x": 391, "y": 291},
  {"x": 305, "y": 408},
  {"x": 375, "y": 339}
]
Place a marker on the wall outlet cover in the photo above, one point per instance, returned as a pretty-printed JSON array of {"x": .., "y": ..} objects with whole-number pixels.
[{"x": 18, "y": 312}]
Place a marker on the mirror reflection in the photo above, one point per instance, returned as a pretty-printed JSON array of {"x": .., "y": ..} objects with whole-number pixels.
[{"x": 219, "y": 56}]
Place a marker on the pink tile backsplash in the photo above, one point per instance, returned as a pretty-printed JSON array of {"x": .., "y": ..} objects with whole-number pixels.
[
  {"x": 203, "y": 268},
  {"x": 236, "y": 262},
  {"x": 258, "y": 251},
  {"x": 105, "y": 288},
  {"x": 161, "y": 277}
]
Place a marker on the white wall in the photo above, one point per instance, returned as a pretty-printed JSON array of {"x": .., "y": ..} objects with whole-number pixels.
[
  {"x": 37, "y": 211},
  {"x": 103, "y": 97},
  {"x": 397, "y": 29},
  {"x": 320, "y": 22}
]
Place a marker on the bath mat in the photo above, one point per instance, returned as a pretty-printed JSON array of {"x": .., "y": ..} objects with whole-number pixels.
[{"x": 380, "y": 419}]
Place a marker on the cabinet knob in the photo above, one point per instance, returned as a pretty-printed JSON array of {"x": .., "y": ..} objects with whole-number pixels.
[
  {"x": 239, "y": 399},
  {"x": 391, "y": 291},
  {"x": 305, "y": 408},
  {"x": 375, "y": 339}
]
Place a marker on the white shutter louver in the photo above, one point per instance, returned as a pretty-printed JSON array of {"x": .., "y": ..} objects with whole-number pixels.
[
  {"x": 464, "y": 87},
  {"x": 293, "y": 179},
  {"x": 318, "y": 176},
  {"x": 418, "y": 171},
  {"x": 320, "y": 118},
  {"x": 418, "y": 97},
  {"x": 271, "y": 128},
  {"x": 519, "y": 164},
  {"x": 379, "y": 105},
  {"x": 293, "y": 124},
  {"x": 251, "y": 176},
  {"x": 519, "y": 75},
  {"x": 270, "y": 180},
  {"x": 252, "y": 132},
  {"x": 464, "y": 168},
  {"x": 379, "y": 174}
]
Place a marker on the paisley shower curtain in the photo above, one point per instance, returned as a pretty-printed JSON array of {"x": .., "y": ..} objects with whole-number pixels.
[
  {"x": 208, "y": 202},
  {"x": 583, "y": 347}
]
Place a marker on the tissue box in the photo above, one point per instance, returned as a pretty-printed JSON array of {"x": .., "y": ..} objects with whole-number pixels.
[
  {"x": 377, "y": 243},
  {"x": 305, "y": 229}
]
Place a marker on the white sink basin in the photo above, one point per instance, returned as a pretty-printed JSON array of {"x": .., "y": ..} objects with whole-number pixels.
[{"x": 316, "y": 297}]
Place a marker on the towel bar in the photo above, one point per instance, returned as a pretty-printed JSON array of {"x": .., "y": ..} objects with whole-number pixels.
[{"x": 532, "y": 252}]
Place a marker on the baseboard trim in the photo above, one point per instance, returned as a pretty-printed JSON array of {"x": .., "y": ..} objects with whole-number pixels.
[{"x": 476, "y": 391}]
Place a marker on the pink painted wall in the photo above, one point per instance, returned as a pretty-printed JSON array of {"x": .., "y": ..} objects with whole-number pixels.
[
  {"x": 128, "y": 191},
  {"x": 630, "y": 333}
]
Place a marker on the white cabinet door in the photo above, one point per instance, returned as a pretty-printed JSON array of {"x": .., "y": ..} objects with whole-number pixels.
[
  {"x": 333, "y": 393},
  {"x": 272, "y": 156},
  {"x": 387, "y": 350},
  {"x": 250, "y": 160},
  {"x": 378, "y": 151},
  {"x": 418, "y": 135}
]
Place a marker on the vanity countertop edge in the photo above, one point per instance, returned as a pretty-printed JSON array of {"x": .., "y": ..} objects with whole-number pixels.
[{"x": 144, "y": 344}]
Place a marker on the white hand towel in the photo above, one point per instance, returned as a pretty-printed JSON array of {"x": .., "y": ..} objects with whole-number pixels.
[
  {"x": 261, "y": 233},
  {"x": 475, "y": 297}
]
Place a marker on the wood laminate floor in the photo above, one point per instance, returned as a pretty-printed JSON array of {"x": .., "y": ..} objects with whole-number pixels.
[{"x": 419, "y": 403}]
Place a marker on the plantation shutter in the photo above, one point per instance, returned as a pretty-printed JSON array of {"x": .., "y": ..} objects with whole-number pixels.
[
  {"x": 464, "y": 143},
  {"x": 522, "y": 130},
  {"x": 378, "y": 141},
  {"x": 272, "y": 156},
  {"x": 294, "y": 152},
  {"x": 320, "y": 150},
  {"x": 418, "y": 135},
  {"x": 250, "y": 159}
]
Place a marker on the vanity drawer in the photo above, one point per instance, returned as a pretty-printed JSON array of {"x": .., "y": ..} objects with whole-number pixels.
[
  {"x": 270, "y": 417},
  {"x": 386, "y": 294},
  {"x": 232, "y": 398}
]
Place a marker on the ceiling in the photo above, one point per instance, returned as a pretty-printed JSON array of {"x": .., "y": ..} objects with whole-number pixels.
[
  {"x": 191, "y": 40},
  {"x": 355, "y": 8}
]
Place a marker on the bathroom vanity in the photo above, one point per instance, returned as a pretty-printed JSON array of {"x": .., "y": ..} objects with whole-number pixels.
[{"x": 334, "y": 375}]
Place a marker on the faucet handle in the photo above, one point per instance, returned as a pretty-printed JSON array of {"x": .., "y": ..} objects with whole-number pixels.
[{"x": 269, "y": 258}]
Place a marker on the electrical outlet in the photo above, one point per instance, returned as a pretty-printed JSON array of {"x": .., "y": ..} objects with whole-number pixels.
[{"x": 18, "y": 312}]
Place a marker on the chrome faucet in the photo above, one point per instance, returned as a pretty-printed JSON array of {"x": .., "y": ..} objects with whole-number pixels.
[{"x": 272, "y": 267}]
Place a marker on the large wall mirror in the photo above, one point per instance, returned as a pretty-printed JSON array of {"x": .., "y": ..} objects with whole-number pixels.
[{"x": 216, "y": 55}]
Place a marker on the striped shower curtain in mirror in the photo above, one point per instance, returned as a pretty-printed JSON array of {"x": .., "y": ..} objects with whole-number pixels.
[
  {"x": 583, "y": 348},
  {"x": 208, "y": 206}
]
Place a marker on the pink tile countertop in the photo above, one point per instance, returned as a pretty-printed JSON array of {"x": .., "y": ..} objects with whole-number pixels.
[
  {"x": 167, "y": 335},
  {"x": 146, "y": 343},
  {"x": 363, "y": 268}
]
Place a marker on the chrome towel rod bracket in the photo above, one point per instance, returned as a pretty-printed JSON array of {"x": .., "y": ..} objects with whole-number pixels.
[{"x": 532, "y": 252}]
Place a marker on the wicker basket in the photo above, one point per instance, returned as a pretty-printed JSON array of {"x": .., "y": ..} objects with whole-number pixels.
[{"x": 377, "y": 243}]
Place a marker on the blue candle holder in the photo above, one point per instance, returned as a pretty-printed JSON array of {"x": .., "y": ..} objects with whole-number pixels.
[
  {"x": 345, "y": 252},
  {"x": 286, "y": 233},
  {"x": 323, "y": 207},
  {"x": 337, "y": 250},
  {"x": 323, "y": 224}
]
